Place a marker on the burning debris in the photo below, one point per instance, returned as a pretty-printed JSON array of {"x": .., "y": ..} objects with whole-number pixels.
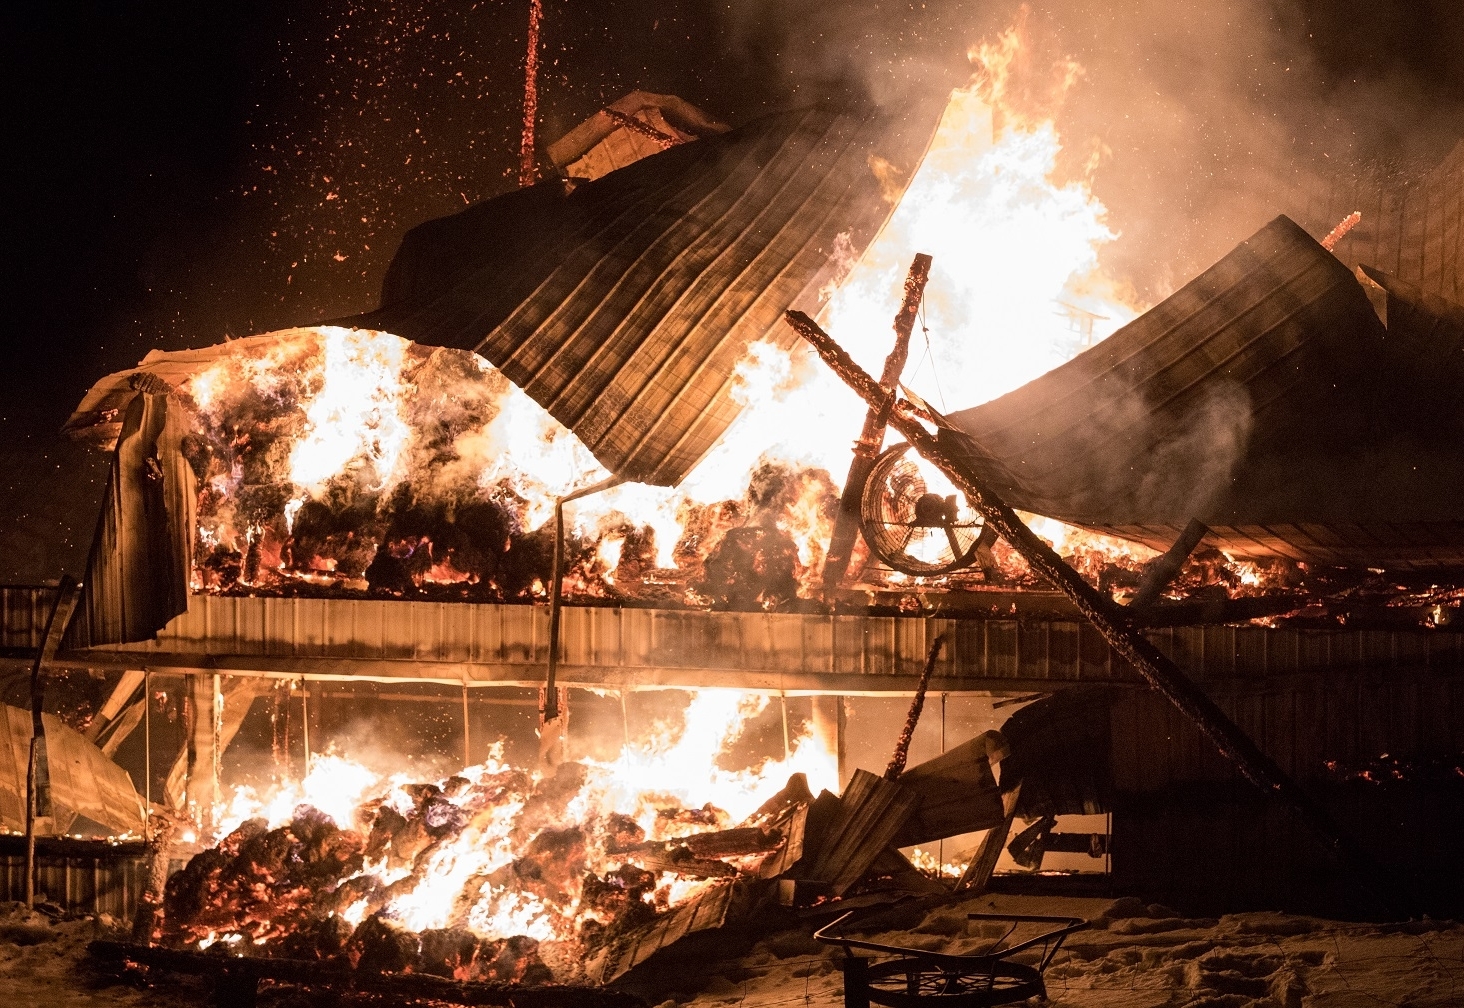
[
  {"x": 497, "y": 874},
  {"x": 339, "y": 462}
]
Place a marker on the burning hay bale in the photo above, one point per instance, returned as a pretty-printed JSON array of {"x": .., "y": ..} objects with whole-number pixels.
[
  {"x": 335, "y": 463},
  {"x": 310, "y": 889},
  {"x": 497, "y": 875}
]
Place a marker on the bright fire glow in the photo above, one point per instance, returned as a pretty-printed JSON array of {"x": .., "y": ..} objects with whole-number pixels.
[
  {"x": 1015, "y": 290},
  {"x": 355, "y": 414},
  {"x": 676, "y": 768}
]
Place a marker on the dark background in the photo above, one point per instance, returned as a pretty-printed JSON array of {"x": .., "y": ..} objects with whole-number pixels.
[{"x": 174, "y": 173}]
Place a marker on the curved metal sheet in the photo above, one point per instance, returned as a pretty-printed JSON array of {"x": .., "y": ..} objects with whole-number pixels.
[
  {"x": 623, "y": 306},
  {"x": 1263, "y": 398}
]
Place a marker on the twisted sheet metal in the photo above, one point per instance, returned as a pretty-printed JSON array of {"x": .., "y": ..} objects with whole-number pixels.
[
  {"x": 1265, "y": 399},
  {"x": 624, "y": 305}
]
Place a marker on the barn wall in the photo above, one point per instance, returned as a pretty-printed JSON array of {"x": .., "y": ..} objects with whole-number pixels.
[
  {"x": 1189, "y": 832},
  {"x": 508, "y": 644},
  {"x": 82, "y": 877},
  {"x": 1412, "y": 227}
]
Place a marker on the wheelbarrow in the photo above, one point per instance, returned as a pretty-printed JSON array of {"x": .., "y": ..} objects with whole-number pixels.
[{"x": 915, "y": 978}]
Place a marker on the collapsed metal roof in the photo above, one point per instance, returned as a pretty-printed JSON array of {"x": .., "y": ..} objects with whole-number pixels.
[
  {"x": 1266, "y": 399},
  {"x": 89, "y": 794},
  {"x": 622, "y": 305}
]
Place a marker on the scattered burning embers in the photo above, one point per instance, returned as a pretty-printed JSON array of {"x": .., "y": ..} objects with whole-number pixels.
[{"x": 497, "y": 873}]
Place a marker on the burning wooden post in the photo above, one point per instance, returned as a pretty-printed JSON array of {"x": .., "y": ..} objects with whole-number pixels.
[
  {"x": 871, "y": 438},
  {"x": 1161, "y": 673},
  {"x": 528, "y": 158},
  {"x": 902, "y": 747}
]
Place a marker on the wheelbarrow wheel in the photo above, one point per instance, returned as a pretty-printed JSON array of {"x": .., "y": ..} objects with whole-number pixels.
[{"x": 924, "y": 983}]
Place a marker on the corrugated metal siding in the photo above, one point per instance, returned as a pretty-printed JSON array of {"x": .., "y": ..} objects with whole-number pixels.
[
  {"x": 623, "y": 307},
  {"x": 23, "y": 612},
  {"x": 84, "y": 782},
  {"x": 1410, "y": 227},
  {"x": 1301, "y": 722},
  {"x": 1431, "y": 331},
  {"x": 1263, "y": 398},
  {"x": 142, "y": 552},
  {"x": 78, "y": 876},
  {"x": 509, "y": 642},
  {"x": 1215, "y": 849}
]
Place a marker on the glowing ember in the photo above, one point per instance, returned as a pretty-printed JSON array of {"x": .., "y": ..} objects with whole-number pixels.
[{"x": 494, "y": 852}]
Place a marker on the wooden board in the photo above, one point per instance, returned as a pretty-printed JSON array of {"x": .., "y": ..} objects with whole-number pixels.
[
  {"x": 872, "y": 811},
  {"x": 957, "y": 791}
]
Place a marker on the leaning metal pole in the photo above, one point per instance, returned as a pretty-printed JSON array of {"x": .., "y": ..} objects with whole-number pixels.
[
  {"x": 551, "y": 729},
  {"x": 1160, "y": 673},
  {"x": 871, "y": 438}
]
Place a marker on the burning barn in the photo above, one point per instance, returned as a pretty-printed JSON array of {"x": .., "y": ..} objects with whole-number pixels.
[{"x": 525, "y": 481}]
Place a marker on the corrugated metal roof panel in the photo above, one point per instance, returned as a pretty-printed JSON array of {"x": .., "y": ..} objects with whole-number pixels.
[
  {"x": 142, "y": 552},
  {"x": 89, "y": 793},
  {"x": 1264, "y": 398},
  {"x": 623, "y": 306}
]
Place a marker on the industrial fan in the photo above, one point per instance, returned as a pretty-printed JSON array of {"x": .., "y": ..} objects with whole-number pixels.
[{"x": 910, "y": 528}]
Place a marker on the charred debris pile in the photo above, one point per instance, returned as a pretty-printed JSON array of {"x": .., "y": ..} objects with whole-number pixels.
[{"x": 297, "y": 893}]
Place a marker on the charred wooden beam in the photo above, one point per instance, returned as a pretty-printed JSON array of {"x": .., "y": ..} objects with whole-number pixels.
[
  {"x": 240, "y": 975},
  {"x": 1162, "y": 674},
  {"x": 665, "y": 140},
  {"x": 716, "y": 844},
  {"x": 866, "y": 449},
  {"x": 902, "y": 746},
  {"x": 687, "y": 865},
  {"x": 117, "y": 703},
  {"x": 1163, "y": 568}
]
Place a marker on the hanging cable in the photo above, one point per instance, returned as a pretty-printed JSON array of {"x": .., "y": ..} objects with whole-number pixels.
[{"x": 930, "y": 358}]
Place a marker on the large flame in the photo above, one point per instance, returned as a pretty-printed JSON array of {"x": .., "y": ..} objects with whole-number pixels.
[
  {"x": 1016, "y": 289},
  {"x": 329, "y": 453},
  {"x": 676, "y": 769}
]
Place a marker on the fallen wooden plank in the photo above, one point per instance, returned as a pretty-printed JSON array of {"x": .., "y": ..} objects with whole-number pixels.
[
  {"x": 872, "y": 811},
  {"x": 977, "y": 875},
  {"x": 957, "y": 791},
  {"x": 686, "y": 865},
  {"x": 709, "y": 910}
]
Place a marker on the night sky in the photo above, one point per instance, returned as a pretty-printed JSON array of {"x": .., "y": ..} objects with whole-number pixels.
[{"x": 174, "y": 173}]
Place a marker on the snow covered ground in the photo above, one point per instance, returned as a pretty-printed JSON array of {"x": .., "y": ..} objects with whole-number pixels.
[
  {"x": 1145, "y": 957},
  {"x": 1132, "y": 956}
]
